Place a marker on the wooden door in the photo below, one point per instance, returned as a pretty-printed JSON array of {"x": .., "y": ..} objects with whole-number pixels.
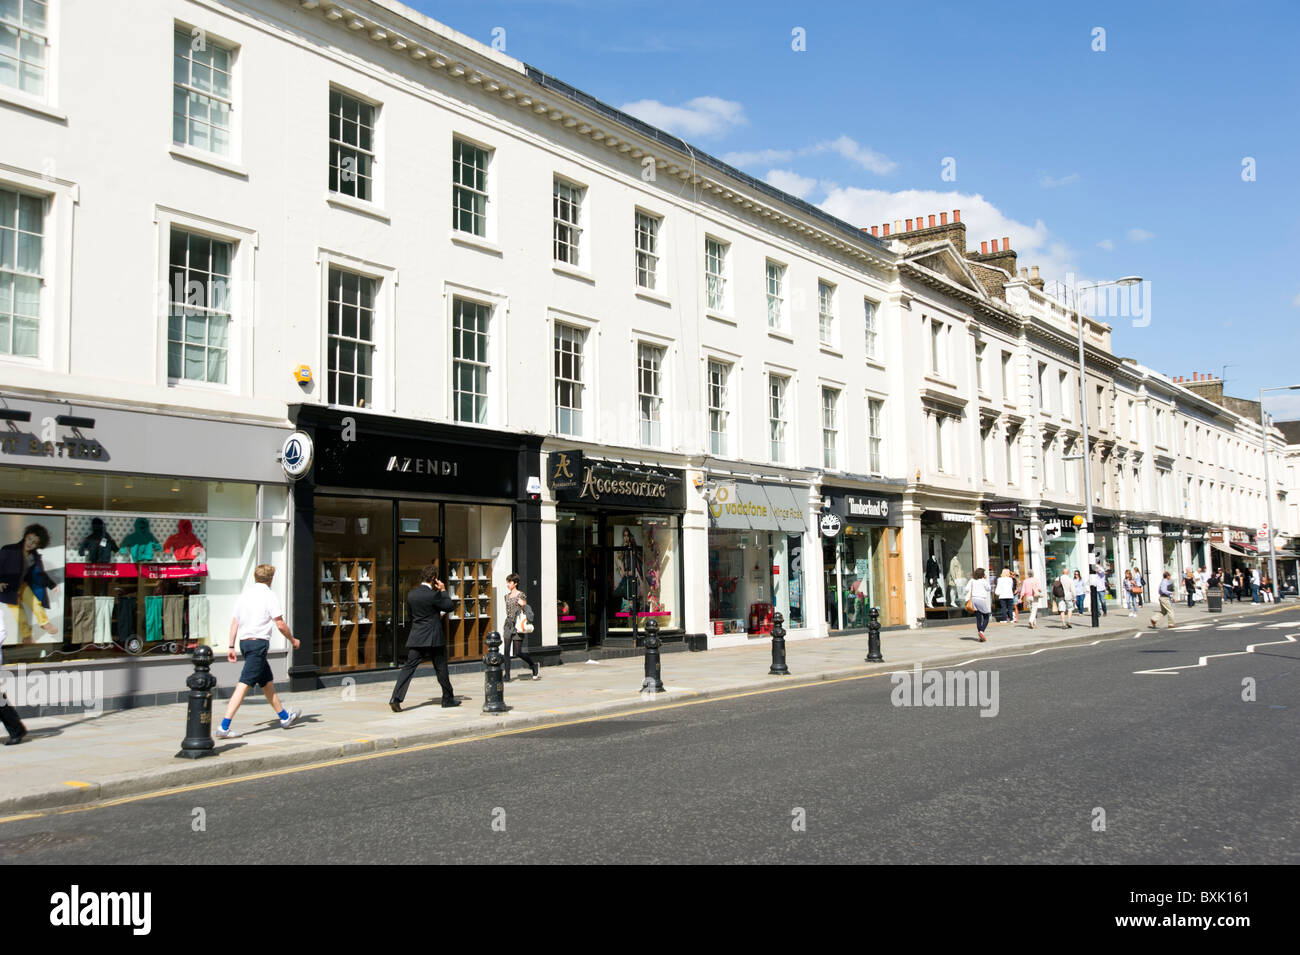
[{"x": 894, "y": 604}]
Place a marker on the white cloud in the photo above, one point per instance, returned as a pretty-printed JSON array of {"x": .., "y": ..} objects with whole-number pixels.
[
  {"x": 1282, "y": 407},
  {"x": 844, "y": 146},
  {"x": 791, "y": 182},
  {"x": 702, "y": 116},
  {"x": 1106, "y": 244},
  {"x": 759, "y": 157},
  {"x": 1034, "y": 244},
  {"x": 1051, "y": 182},
  {"x": 855, "y": 152},
  {"x": 1140, "y": 235}
]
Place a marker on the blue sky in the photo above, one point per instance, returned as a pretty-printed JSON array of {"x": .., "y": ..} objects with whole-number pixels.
[{"x": 1096, "y": 163}]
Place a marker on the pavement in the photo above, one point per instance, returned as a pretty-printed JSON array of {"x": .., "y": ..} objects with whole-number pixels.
[{"x": 87, "y": 758}]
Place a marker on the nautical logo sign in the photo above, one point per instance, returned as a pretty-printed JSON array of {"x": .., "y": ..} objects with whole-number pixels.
[{"x": 297, "y": 454}]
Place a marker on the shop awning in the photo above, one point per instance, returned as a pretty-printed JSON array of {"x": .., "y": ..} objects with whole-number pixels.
[
  {"x": 744, "y": 506},
  {"x": 1224, "y": 549},
  {"x": 791, "y": 513},
  {"x": 1246, "y": 548}
]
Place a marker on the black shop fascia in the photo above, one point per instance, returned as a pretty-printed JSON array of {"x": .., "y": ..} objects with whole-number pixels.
[
  {"x": 618, "y": 549},
  {"x": 382, "y": 498}
]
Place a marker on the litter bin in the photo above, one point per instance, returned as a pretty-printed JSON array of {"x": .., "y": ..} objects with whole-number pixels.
[{"x": 1214, "y": 599}]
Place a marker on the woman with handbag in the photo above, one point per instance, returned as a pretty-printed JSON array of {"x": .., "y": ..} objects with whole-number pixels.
[
  {"x": 979, "y": 601},
  {"x": 1029, "y": 594},
  {"x": 518, "y": 622},
  {"x": 1063, "y": 593}
]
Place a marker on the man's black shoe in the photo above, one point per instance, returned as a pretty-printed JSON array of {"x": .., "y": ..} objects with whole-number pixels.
[
  {"x": 446, "y": 703},
  {"x": 395, "y": 707},
  {"x": 14, "y": 740}
]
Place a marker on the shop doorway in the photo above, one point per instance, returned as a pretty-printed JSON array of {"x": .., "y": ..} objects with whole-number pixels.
[
  {"x": 414, "y": 552},
  {"x": 893, "y": 576}
]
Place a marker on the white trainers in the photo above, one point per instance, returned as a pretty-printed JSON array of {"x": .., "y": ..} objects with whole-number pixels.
[
  {"x": 219, "y": 733},
  {"x": 293, "y": 718}
]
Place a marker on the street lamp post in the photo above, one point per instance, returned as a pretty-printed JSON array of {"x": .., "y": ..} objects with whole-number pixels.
[
  {"x": 1268, "y": 491},
  {"x": 1083, "y": 427}
]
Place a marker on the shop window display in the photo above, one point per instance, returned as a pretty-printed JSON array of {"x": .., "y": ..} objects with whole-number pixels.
[
  {"x": 949, "y": 561},
  {"x": 754, "y": 575}
]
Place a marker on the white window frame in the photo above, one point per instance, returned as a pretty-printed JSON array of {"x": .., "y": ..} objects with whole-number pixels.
[
  {"x": 1008, "y": 394},
  {"x": 376, "y": 197},
  {"x": 487, "y": 363},
  {"x": 232, "y": 49},
  {"x": 179, "y": 294},
  {"x": 723, "y": 408},
  {"x": 383, "y": 354},
  {"x": 60, "y": 197},
  {"x": 827, "y": 326},
  {"x": 243, "y": 299},
  {"x": 652, "y": 254},
  {"x": 774, "y": 272},
  {"x": 875, "y": 434},
  {"x": 577, "y": 199},
  {"x": 43, "y": 102},
  {"x": 489, "y": 177},
  {"x": 871, "y": 329},
  {"x": 938, "y": 359},
  {"x": 981, "y": 372},
  {"x": 831, "y": 427},
  {"x": 778, "y": 416},
  {"x": 719, "y": 303},
  {"x": 656, "y": 420},
  {"x": 562, "y": 330},
  {"x": 1012, "y": 441},
  {"x": 13, "y": 227},
  {"x": 941, "y": 462}
]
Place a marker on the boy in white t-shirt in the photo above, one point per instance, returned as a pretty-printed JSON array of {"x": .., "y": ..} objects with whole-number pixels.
[{"x": 257, "y": 616}]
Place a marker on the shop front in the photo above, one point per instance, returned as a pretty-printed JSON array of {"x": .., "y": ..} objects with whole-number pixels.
[
  {"x": 756, "y": 562},
  {"x": 1172, "y": 551},
  {"x": 1008, "y": 527},
  {"x": 126, "y": 536},
  {"x": 862, "y": 558},
  {"x": 1064, "y": 546},
  {"x": 618, "y": 549},
  {"x": 386, "y": 497},
  {"x": 1199, "y": 546},
  {"x": 1245, "y": 553},
  {"x": 947, "y": 561}
]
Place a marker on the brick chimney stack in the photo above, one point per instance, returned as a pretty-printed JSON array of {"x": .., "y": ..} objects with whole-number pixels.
[{"x": 1035, "y": 279}]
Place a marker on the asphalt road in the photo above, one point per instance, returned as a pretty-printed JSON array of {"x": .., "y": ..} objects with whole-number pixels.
[{"x": 1185, "y": 770}]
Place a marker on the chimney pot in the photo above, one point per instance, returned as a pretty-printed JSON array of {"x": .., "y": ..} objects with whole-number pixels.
[
  {"x": 943, "y": 218},
  {"x": 875, "y": 230},
  {"x": 1006, "y": 244},
  {"x": 886, "y": 228},
  {"x": 984, "y": 248},
  {"x": 993, "y": 246},
  {"x": 909, "y": 225},
  {"x": 956, "y": 215},
  {"x": 898, "y": 225},
  {"x": 931, "y": 222},
  {"x": 1035, "y": 271}
]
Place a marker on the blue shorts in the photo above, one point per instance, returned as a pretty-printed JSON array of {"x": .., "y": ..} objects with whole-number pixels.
[{"x": 256, "y": 672}]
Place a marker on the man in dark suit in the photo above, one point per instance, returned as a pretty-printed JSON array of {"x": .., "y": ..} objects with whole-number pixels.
[{"x": 427, "y": 603}]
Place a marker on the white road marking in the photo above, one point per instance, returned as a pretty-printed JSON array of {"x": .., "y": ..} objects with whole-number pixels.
[
  {"x": 1195, "y": 626},
  {"x": 1284, "y": 625},
  {"x": 1171, "y": 671},
  {"x": 1234, "y": 626}
]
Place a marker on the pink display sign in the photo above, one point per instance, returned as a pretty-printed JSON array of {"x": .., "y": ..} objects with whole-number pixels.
[{"x": 125, "y": 570}]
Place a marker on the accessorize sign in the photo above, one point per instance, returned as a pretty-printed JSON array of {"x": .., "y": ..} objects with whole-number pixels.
[{"x": 613, "y": 484}]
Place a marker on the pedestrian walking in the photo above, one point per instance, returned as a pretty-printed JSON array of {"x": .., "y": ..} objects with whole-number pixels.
[
  {"x": 1006, "y": 594},
  {"x": 8, "y": 714},
  {"x": 1254, "y": 585},
  {"x": 1063, "y": 596},
  {"x": 1099, "y": 582},
  {"x": 1189, "y": 586},
  {"x": 258, "y": 615},
  {"x": 1137, "y": 589},
  {"x": 1126, "y": 590},
  {"x": 1030, "y": 591},
  {"x": 978, "y": 600},
  {"x": 517, "y": 604},
  {"x": 1166, "y": 594},
  {"x": 1080, "y": 592},
  {"x": 427, "y": 603}
]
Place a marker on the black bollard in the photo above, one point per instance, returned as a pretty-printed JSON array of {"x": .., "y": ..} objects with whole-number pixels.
[
  {"x": 778, "y": 647},
  {"x": 652, "y": 682},
  {"x": 494, "y": 689},
  {"x": 198, "y": 720},
  {"x": 873, "y": 637}
]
